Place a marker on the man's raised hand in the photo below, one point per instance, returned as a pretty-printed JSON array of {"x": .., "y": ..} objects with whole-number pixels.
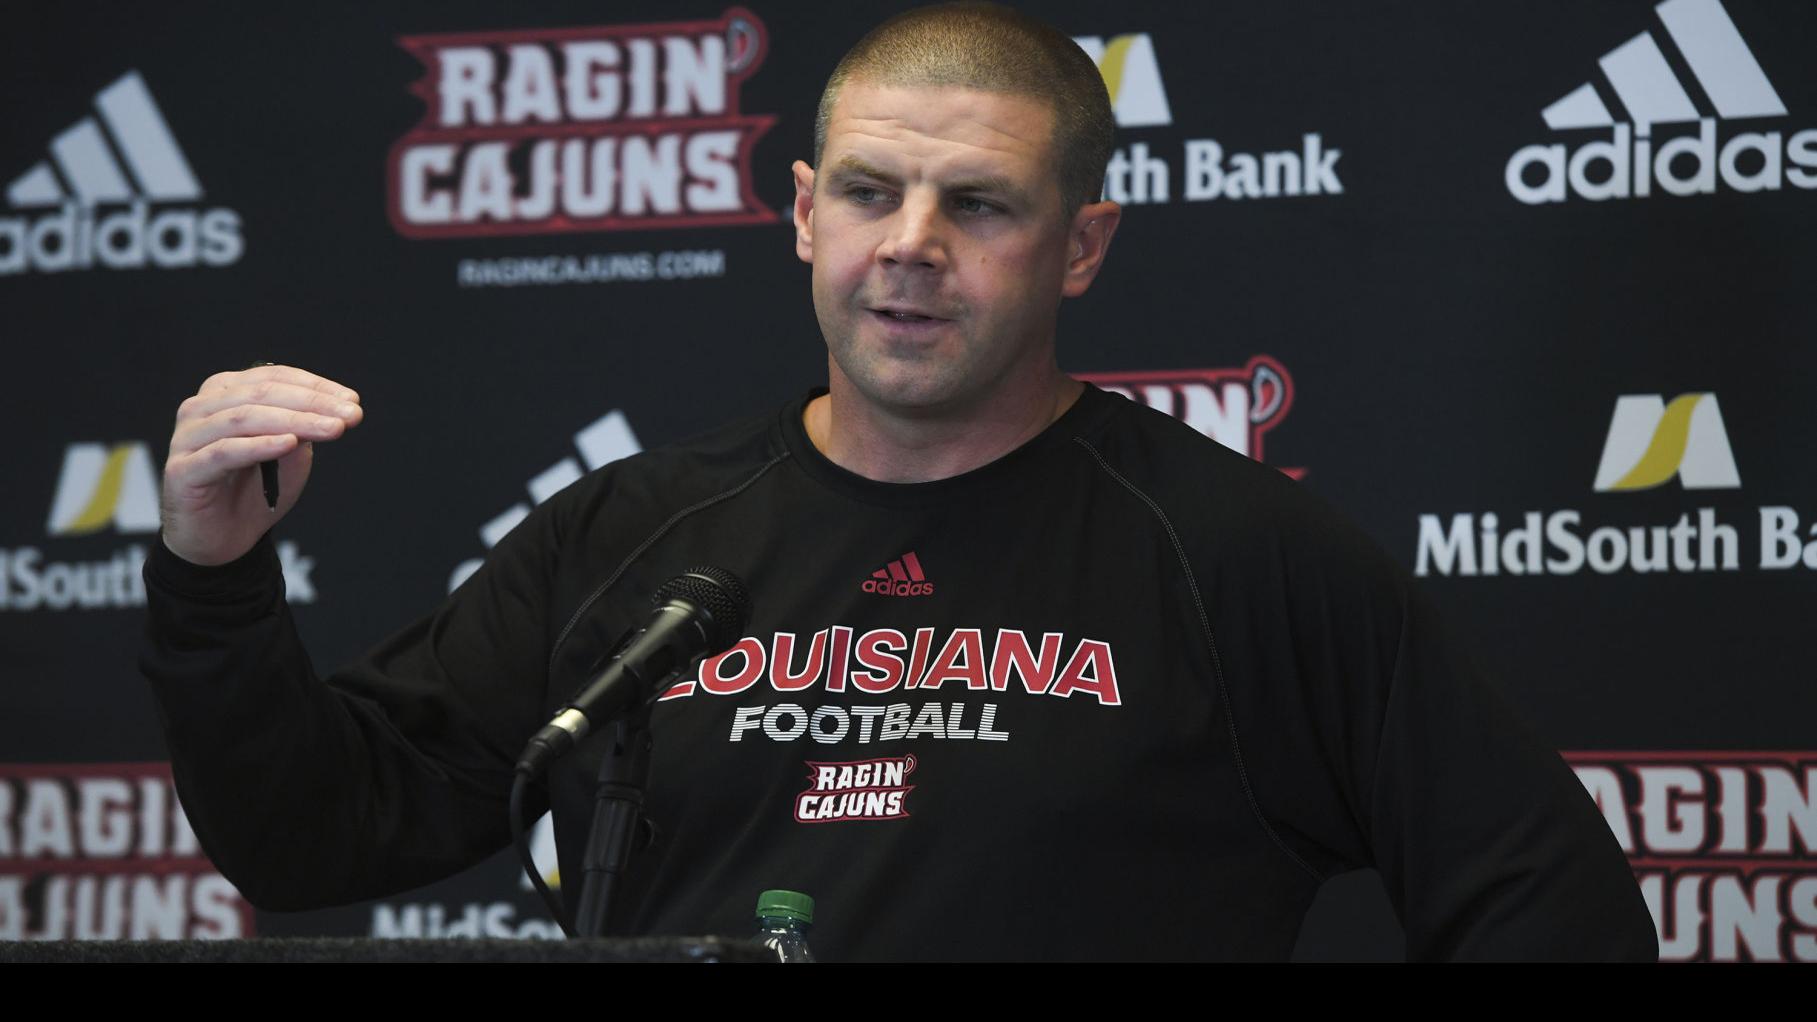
[{"x": 213, "y": 505}]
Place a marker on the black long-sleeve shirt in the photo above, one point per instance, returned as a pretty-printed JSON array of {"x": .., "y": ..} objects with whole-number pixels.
[{"x": 1119, "y": 694}]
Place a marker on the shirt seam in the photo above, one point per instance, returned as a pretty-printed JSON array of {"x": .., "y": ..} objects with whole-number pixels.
[
  {"x": 1217, "y": 663},
  {"x": 649, "y": 542}
]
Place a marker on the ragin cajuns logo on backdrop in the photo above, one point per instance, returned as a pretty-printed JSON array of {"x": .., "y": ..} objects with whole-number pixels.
[
  {"x": 872, "y": 789},
  {"x": 1722, "y": 844},
  {"x": 1235, "y": 407},
  {"x": 539, "y": 131},
  {"x": 104, "y": 852}
]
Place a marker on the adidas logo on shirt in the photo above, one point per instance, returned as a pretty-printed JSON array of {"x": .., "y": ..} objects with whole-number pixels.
[
  {"x": 901, "y": 577},
  {"x": 1640, "y": 78},
  {"x": 125, "y": 157}
]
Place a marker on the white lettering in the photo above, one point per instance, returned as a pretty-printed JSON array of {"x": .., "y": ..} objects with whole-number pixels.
[
  {"x": 1788, "y": 806},
  {"x": 1739, "y": 917},
  {"x": 745, "y": 718},
  {"x": 466, "y": 86},
  {"x": 694, "y": 76},
  {"x": 529, "y": 87},
  {"x": 105, "y": 816},
  {"x": 1671, "y": 808},
  {"x": 44, "y": 826},
  {"x": 592, "y": 87},
  {"x": 1445, "y": 550},
  {"x": 1605, "y": 788}
]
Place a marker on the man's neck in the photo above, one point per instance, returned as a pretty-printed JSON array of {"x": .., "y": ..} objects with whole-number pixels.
[{"x": 872, "y": 442}]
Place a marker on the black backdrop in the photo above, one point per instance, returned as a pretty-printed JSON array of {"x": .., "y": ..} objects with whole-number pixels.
[{"x": 1379, "y": 313}]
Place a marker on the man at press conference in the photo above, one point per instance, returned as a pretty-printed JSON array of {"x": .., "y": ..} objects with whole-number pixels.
[{"x": 1138, "y": 696}]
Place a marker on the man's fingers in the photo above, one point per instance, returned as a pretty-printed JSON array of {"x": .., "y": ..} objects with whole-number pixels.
[
  {"x": 210, "y": 464},
  {"x": 274, "y": 393},
  {"x": 251, "y": 421},
  {"x": 283, "y": 374}
]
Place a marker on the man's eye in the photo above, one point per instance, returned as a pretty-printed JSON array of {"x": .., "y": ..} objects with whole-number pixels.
[
  {"x": 972, "y": 206},
  {"x": 863, "y": 195}
]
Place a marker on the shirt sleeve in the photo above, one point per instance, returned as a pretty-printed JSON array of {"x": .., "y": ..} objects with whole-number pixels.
[
  {"x": 388, "y": 774},
  {"x": 1489, "y": 846},
  {"x": 1368, "y": 738}
]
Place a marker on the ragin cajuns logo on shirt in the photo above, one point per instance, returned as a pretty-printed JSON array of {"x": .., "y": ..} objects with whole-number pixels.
[{"x": 872, "y": 789}]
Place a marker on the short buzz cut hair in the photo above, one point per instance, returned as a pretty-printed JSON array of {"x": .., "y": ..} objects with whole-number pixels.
[{"x": 993, "y": 49}]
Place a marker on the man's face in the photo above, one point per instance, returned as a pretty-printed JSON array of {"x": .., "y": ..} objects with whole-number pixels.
[{"x": 939, "y": 243}]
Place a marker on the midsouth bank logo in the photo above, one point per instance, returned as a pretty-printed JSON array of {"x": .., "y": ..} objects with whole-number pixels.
[
  {"x": 502, "y": 920},
  {"x": 1235, "y": 407},
  {"x": 1650, "y": 444},
  {"x": 1204, "y": 169},
  {"x": 102, "y": 489},
  {"x": 543, "y": 131},
  {"x": 115, "y": 192},
  {"x": 1631, "y": 160},
  {"x": 102, "y": 486},
  {"x": 1132, "y": 77}
]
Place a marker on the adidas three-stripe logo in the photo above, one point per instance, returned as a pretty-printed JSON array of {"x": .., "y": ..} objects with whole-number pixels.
[
  {"x": 86, "y": 161},
  {"x": 1721, "y": 62},
  {"x": 124, "y": 155},
  {"x": 606, "y": 440},
  {"x": 1641, "y": 79},
  {"x": 901, "y": 577}
]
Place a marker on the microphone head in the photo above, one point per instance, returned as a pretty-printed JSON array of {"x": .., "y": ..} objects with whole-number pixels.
[{"x": 720, "y": 595}]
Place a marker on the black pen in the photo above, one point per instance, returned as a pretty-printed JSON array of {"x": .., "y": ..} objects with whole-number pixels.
[{"x": 268, "y": 470}]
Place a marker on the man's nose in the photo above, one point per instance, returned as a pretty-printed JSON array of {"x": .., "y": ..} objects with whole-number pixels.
[{"x": 916, "y": 237}]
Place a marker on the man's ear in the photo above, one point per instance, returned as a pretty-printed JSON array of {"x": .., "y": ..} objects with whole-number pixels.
[
  {"x": 1087, "y": 243},
  {"x": 804, "y": 211}
]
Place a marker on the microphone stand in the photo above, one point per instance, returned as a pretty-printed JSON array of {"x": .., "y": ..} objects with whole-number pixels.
[{"x": 618, "y": 819}]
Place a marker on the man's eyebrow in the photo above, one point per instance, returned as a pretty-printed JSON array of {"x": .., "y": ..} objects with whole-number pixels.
[
  {"x": 995, "y": 184},
  {"x": 849, "y": 165}
]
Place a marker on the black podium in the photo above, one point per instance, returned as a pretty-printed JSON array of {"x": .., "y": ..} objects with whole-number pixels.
[{"x": 342, "y": 949}]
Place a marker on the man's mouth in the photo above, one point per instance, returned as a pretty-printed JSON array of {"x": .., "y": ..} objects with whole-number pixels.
[{"x": 905, "y": 316}]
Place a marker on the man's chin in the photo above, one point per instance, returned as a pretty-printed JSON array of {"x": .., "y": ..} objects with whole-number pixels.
[{"x": 908, "y": 391}]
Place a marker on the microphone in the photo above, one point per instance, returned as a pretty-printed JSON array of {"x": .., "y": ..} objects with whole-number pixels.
[{"x": 698, "y": 613}]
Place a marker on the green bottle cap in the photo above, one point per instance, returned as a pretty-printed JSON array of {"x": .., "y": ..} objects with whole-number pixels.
[{"x": 792, "y": 904}]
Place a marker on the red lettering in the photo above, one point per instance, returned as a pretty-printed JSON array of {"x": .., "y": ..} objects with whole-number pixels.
[
  {"x": 713, "y": 681},
  {"x": 885, "y": 668},
  {"x": 782, "y": 674},
  {"x": 842, "y": 645},
  {"x": 1094, "y": 657},
  {"x": 1013, "y": 652},
  {"x": 961, "y": 659},
  {"x": 924, "y": 644}
]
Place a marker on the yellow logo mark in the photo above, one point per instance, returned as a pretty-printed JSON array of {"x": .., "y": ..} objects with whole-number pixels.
[
  {"x": 1651, "y": 442},
  {"x": 1667, "y": 448},
  {"x": 1116, "y": 54},
  {"x": 103, "y": 485},
  {"x": 99, "y": 510},
  {"x": 1132, "y": 76}
]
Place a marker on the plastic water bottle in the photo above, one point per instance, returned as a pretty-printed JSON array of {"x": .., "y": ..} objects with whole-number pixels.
[{"x": 783, "y": 918}]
